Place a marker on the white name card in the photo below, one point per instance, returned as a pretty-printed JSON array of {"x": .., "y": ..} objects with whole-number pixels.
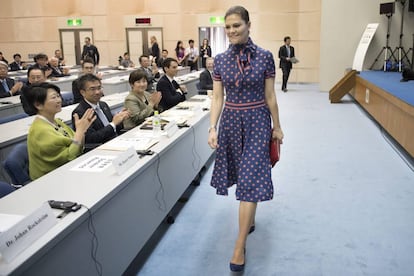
[
  {"x": 125, "y": 160},
  {"x": 171, "y": 128},
  {"x": 26, "y": 231}
]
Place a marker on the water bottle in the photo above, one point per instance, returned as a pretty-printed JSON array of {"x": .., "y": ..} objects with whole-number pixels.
[{"x": 156, "y": 124}]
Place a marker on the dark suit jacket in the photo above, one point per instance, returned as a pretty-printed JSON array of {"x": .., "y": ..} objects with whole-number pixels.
[
  {"x": 77, "y": 96},
  {"x": 170, "y": 96},
  {"x": 283, "y": 54},
  {"x": 96, "y": 133},
  {"x": 10, "y": 84},
  {"x": 206, "y": 82},
  {"x": 56, "y": 72},
  {"x": 14, "y": 66},
  {"x": 92, "y": 52}
]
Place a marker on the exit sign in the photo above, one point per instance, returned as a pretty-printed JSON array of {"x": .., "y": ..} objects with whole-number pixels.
[
  {"x": 74, "y": 22},
  {"x": 217, "y": 20}
]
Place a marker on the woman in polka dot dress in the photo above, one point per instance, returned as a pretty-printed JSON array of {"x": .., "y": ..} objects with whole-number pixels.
[{"x": 247, "y": 73}]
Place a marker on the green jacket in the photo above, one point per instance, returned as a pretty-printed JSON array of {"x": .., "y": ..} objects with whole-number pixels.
[{"x": 49, "y": 148}]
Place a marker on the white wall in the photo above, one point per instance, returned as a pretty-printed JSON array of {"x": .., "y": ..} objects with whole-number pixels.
[{"x": 342, "y": 24}]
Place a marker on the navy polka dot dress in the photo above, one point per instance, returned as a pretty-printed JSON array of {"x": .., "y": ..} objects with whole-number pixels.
[{"x": 242, "y": 156}]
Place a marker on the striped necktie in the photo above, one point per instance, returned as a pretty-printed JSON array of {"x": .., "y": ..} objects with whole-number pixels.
[{"x": 101, "y": 115}]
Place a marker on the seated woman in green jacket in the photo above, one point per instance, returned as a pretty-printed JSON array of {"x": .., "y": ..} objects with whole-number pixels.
[
  {"x": 139, "y": 102},
  {"x": 51, "y": 143}
]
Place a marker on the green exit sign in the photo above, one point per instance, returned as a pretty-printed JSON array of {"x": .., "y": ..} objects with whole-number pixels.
[
  {"x": 217, "y": 20},
  {"x": 74, "y": 22}
]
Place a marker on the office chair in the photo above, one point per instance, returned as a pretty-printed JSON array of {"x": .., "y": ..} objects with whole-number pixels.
[
  {"x": 5, "y": 189},
  {"x": 17, "y": 165},
  {"x": 13, "y": 117},
  {"x": 67, "y": 98}
]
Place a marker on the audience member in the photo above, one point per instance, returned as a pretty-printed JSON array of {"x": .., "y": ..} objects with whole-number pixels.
[
  {"x": 139, "y": 102},
  {"x": 57, "y": 71},
  {"x": 150, "y": 70},
  {"x": 87, "y": 68},
  {"x": 106, "y": 126},
  {"x": 35, "y": 76},
  {"x": 172, "y": 93},
  {"x": 41, "y": 61},
  {"x": 192, "y": 55},
  {"x": 17, "y": 64},
  {"x": 126, "y": 61},
  {"x": 51, "y": 143},
  {"x": 164, "y": 55},
  {"x": 59, "y": 56},
  {"x": 90, "y": 51},
  {"x": 3, "y": 59},
  {"x": 205, "y": 52},
  {"x": 8, "y": 86},
  {"x": 180, "y": 53},
  {"x": 155, "y": 50},
  {"x": 206, "y": 80}
]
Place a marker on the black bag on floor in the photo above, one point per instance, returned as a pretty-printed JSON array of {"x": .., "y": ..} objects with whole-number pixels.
[{"x": 407, "y": 75}]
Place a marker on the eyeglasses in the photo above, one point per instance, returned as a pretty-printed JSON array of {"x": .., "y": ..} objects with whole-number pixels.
[{"x": 95, "y": 88}]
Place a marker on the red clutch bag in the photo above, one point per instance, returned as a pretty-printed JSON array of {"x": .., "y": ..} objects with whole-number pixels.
[{"x": 274, "y": 151}]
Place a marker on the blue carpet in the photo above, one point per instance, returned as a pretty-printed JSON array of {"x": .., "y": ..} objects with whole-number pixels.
[
  {"x": 344, "y": 204},
  {"x": 390, "y": 82}
]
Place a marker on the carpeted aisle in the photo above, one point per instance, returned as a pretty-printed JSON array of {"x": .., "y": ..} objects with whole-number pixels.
[{"x": 344, "y": 204}]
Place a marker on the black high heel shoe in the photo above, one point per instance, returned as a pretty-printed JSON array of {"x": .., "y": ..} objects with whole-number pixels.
[
  {"x": 237, "y": 267},
  {"x": 252, "y": 228}
]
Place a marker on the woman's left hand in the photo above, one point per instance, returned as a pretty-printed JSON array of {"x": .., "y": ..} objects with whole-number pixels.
[{"x": 277, "y": 133}]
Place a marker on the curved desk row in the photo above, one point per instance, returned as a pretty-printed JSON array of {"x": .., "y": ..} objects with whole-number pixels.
[{"x": 126, "y": 208}]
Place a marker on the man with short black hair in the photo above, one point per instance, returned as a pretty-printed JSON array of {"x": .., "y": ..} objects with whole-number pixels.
[
  {"x": 172, "y": 93},
  {"x": 151, "y": 71},
  {"x": 17, "y": 64},
  {"x": 286, "y": 52},
  {"x": 87, "y": 68},
  {"x": 106, "y": 126},
  {"x": 90, "y": 51},
  {"x": 192, "y": 55},
  {"x": 35, "y": 75}
]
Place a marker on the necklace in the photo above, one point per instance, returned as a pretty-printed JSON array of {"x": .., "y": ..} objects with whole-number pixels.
[{"x": 55, "y": 125}]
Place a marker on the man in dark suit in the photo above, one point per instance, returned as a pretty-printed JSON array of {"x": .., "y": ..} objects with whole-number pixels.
[
  {"x": 8, "y": 87},
  {"x": 206, "y": 81},
  {"x": 90, "y": 51},
  {"x": 35, "y": 75},
  {"x": 57, "y": 71},
  {"x": 106, "y": 126},
  {"x": 172, "y": 93},
  {"x": 161, "y": 60},
  {"x": 286, "y": 52},
  {"x": 17, "y": 64}
]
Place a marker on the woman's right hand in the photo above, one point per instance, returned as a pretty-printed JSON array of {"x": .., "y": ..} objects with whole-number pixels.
[
  {"x": 212, "y": 138},
  {"x": 155, "y": 98},
  {"x": 82, "y": 124}
]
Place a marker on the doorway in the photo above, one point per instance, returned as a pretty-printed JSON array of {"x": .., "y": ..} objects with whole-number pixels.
[
  {"x": 71, "y": 43},
  {"x": 217, "y": 38},
  {"x": 138, "y": 41}
]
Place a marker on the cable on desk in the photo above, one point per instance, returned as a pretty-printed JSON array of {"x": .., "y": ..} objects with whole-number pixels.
[
  {"x": 161, "y": 203},
  {"x": 195, "y": 153},
  {"x": 94, "y": 241}
]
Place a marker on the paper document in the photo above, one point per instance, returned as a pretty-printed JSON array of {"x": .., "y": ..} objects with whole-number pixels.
[
  {"x": 97, "y": 163},
  {"x": 121, "y": 144},
  {"x": 294, "y": 60}
]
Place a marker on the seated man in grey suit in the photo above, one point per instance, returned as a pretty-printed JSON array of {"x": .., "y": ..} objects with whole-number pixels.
[
  {"x": 150, "y": 70},
  {"x": 171, "y": 92},
  {"x": 206, "y": 81},
  {"x": 106, "y": 126},
  {"x": 8, "y": 87}
]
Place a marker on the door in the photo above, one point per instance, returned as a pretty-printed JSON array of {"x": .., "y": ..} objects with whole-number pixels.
[
  {"x": 217, "y": 38},
  {"x": 139, "y": 43},
  {"x": 71, "y": 43}
]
